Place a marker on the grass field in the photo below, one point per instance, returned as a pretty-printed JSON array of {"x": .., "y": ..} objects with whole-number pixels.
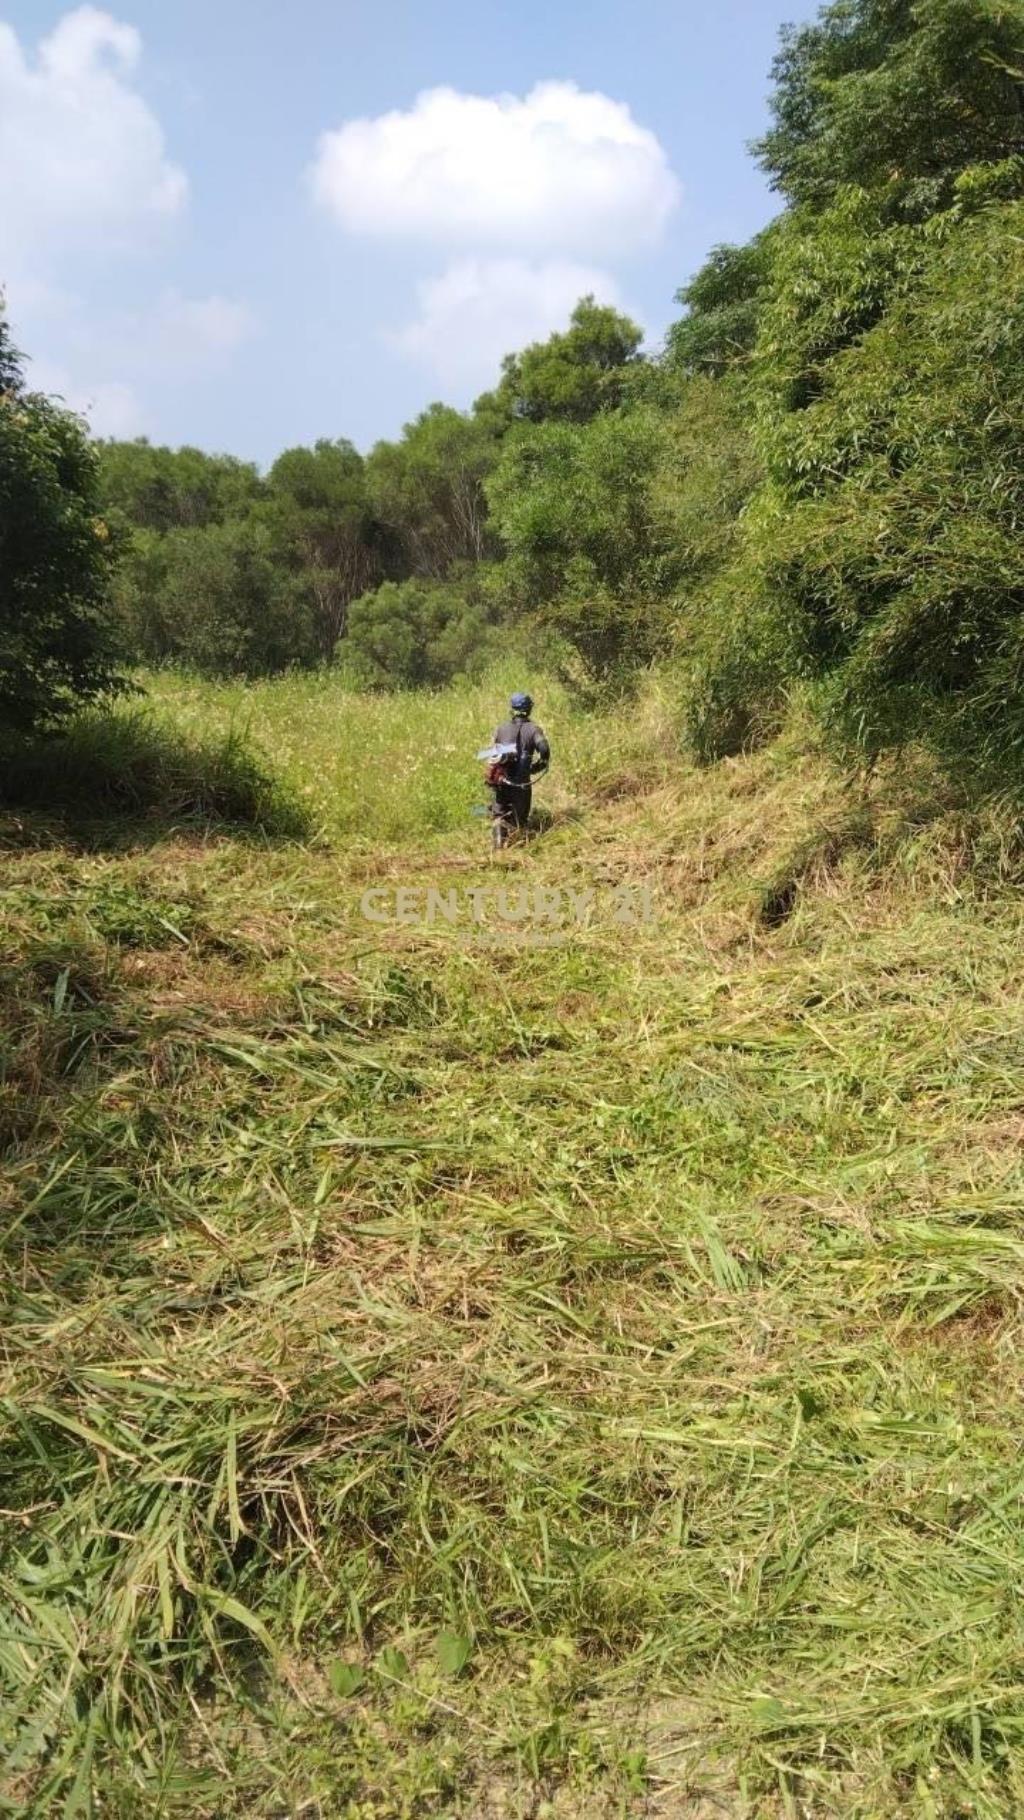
[{"x": 511, "y": 1367}]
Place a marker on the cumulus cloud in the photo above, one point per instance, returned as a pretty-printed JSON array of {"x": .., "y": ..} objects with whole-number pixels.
[
  {"x": 82, "y": 153},
  {"x": 558, "y": 170},
  {"x": 87, "y": 168},
  {"x": 479, "y": 308}
]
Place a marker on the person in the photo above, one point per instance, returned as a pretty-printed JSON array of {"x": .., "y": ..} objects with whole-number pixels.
[{"x": 512, "y": 799}]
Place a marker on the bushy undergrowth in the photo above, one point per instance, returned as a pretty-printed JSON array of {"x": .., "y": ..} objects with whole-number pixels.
[
  {"x": 129, "y": 763},
  {"x": 884, "y": 558}
]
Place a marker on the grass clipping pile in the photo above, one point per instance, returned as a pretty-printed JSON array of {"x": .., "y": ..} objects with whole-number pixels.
[{"x": 450, "y": 1380}]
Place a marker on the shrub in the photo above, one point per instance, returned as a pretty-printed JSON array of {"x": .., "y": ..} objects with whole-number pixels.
[
  {"x": 128, "y": 763},
  {"x": 215, "y": 600},
  {"x": 417, "y": 634},
  {"x": 589, "y": 545},
  {"x": 59, "y": 644}
]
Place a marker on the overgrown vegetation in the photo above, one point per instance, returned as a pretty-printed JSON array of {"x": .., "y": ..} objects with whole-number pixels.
[
  {"x": 58, "y": 646},
  {"x": 879, "y": 559},
  {"x": 445, "y": 1372},
  {"x": 815, "y": 486},
  {"x": 135, "y": 765}
]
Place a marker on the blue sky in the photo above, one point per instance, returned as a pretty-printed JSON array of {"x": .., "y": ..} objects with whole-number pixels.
[{"x": 247, "y": 224}]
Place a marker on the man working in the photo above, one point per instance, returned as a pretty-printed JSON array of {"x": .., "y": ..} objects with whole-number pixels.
[{"x": 512, "y": 799}]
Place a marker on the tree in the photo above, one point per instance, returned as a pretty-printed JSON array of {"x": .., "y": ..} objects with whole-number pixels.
[
  {"x": 58, "y": 634},
  {"x": 570, "y": 377},
  {"x": 898, "y": 95},
  {"x": 723, "y": 303},
  {"x": 417, "y": 634},
  {"x": 587, "y": 546},
  {"x": 878, "y": 558},
  {"x": 162, "y": 489},
  {"x": 707, "y": 472},
  {"x": 428, "y": 492},
  {"x": 216, "y": 600},
  {"x": 319, "y": 513},
  {"x": 898, "y": 563}
]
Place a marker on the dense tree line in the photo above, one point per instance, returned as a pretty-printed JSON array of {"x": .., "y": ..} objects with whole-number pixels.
[
  {"x": 403, "y": 565},
  {"x": 817, "y": 483},
  {"x": 878, "y": 332}
]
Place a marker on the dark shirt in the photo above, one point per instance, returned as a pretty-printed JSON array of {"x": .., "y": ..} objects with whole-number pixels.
[{"x": 534, "y": 751}]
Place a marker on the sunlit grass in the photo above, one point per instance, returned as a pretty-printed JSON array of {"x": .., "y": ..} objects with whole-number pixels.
[
  {"x": 384, "y": 767},
  {"x": 443, "y": 1375}
]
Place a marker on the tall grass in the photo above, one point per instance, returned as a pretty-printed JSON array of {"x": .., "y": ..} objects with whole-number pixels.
[
  {"x": 385, "y": 767},
  {"x": 441, "y": 1375},
  {"x": 126, "y": 762}
]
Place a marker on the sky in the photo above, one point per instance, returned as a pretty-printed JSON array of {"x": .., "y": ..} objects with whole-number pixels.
[{"x": 246, "y": 224}]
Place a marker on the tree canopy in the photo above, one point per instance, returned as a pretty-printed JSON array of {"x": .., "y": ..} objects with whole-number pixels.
[
  {"x": 899, "y": 93},
  {"x": 573, "y": 375}
]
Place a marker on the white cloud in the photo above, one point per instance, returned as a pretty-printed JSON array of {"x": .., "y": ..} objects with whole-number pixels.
[
  {"x": 82, "y": 154},
  {"x": 87, "y": 171},
  {"x": 559, "y": 170},
  {"x": 480, "y": 309}
]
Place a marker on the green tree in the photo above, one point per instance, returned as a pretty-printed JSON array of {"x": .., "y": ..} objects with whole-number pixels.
[
  {"x": 58, "y": 634},
  {"x": 319, "y": 512},
  {"x": 588, "y": 547},
  {"x": 162, "y": 489},
  {"x": 216, "y": 600},
  {"x": 898, "y": 565},
  {"x": 898, "y": 95},
  {"x": 707, "y": 472},
  {"x": 428, "y": 491},
  {"x": 417, "y": 634},
  {"x": 570, "y": 377},
  {"x": 723, "y": 303}
]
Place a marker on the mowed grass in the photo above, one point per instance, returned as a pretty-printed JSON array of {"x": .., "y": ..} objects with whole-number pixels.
[{"x": 451, "y": 1371}]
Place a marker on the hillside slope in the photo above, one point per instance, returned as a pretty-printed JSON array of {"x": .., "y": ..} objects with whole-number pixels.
[{"x": 545, "y": 1364}]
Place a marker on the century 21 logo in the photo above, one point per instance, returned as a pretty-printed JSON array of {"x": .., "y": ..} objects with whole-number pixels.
[{"x": 553, "y": 906}]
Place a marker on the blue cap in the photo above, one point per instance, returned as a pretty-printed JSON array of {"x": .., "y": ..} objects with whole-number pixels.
[{"x": 521, "y": 703}]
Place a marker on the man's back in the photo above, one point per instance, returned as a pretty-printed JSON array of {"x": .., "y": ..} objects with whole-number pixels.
[{"x": 528, "y": 739}]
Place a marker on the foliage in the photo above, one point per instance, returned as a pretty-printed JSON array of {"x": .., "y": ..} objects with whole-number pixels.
[
  {"x": 58, "y": 636},
  {"x": 878, "y": 560},
  {"x": 834, "y": 277},
  {"x": 427, "y": 491},
  {"x": 586, "y": 542},
  {"x": 708, "y": 470},
  {"x": 319, "y": 512},
  {"x": 901, "y": 552},
  {"x": 216, "y": 600},
  {"x": 572, "y": 376},
  {"x": 418, "y": 634},
  {"x": 898, "y": 95},
  {"x": 723, "y": 306},
  {"x": 132, "y": 763},
  {"x": 161, "y": 489}
]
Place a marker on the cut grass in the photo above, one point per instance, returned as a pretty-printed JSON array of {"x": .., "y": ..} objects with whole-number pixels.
[{"x": 442, "y": 1377}]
